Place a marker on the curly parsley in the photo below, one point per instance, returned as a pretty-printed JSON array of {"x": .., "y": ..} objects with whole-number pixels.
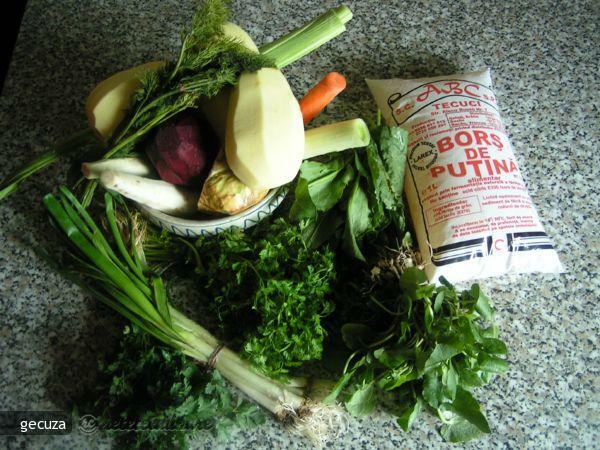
[{"x": 267, "y": 286}]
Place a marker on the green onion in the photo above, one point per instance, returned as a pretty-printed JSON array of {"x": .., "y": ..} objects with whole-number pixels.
[
  {"x": 98, "y": 270},
  {"x": 68, "y": 147},
  {"x": 97, "y": 254},
  {"x": 301, "y": 42},
  {"x": 336, "y": 137}
]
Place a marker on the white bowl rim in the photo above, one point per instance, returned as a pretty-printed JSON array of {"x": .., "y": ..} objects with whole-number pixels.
[{"x": 210, "y": 222}]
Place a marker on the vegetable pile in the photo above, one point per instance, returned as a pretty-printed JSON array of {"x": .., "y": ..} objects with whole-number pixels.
[{"x": 330, "y": 276}]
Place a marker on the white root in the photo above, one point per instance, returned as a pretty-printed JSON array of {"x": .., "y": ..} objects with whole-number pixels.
[
  {"x": 316, "y": 421},
  {"x": 133, "y": 166},
  {"x": 156, "y": 194}
]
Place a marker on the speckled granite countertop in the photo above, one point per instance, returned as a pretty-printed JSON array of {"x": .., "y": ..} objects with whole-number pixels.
[{"x": 544, "y": 56}]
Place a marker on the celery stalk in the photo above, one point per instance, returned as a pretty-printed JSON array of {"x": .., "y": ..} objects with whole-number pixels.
[
  {"x": 297, "y": 44},
  {"x": 335, "y": 137}
]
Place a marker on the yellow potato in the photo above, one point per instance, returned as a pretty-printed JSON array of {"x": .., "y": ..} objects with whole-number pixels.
[{"x": 107, "y": 104}]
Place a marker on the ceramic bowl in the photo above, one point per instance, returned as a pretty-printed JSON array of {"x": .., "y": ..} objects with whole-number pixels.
[{"x": 203, "y": 227}]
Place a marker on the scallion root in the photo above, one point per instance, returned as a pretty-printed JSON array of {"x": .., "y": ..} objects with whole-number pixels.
[{"x": 316, "y": 421}]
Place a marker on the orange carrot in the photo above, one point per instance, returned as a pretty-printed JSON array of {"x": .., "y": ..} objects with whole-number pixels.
[{"x": 321, "y": 95}]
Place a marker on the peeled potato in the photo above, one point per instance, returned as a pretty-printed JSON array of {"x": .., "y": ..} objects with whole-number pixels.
[
  {"x": 264, "y": 136},
  {"x": 264, "y": 132},
  {"x": 108, "y": 102}
]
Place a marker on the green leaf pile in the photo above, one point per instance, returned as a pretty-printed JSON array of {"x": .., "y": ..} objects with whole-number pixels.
[
  {"x": 358, "y": 190},
  {"x": 151, "y": 396},
  {"x": 438, "y": 345},
  {"x": 270, "y": 288}
]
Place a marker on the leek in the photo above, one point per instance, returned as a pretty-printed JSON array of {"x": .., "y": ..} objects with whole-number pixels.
[{"x": 336, "y": 137}]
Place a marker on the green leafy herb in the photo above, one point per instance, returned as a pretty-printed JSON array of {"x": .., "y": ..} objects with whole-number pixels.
[
  {"x": 150, "y": 396},
  {"x": 320, "y": 186},
  {"x": 357, "y": 219},
  {"x": 267, "y": 286},
  {"x": 436, "y": 345},
  {"x": 386, "y": 163},
  {"x": 362, "y": 401},
  {"x": 410, "y": 414},
  {"x": 360, "y": 190}
]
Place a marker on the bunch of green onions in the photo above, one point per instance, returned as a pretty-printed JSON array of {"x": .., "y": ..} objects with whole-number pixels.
[{"x": 118, "y": 276}]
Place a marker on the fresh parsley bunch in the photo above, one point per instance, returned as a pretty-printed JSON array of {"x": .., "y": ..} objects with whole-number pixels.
[{"x": 269, "y": 288}]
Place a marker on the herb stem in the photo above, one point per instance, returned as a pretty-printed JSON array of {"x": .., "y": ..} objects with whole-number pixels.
[
  {"x": 378, "y": 303},
  {"x": 144, "y": 108},
  {"x": 381, "y": 341},
  {"x": 182, "y": 51},
  {"x": 349, "y": 360}
]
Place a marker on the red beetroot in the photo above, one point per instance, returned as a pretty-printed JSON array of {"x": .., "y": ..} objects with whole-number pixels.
[{"x": 183, "y": 150}]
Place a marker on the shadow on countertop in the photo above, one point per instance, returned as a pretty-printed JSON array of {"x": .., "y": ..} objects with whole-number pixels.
[
  {"x": 75, "y": 355},
  {"x": 10, "y": 24}
]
